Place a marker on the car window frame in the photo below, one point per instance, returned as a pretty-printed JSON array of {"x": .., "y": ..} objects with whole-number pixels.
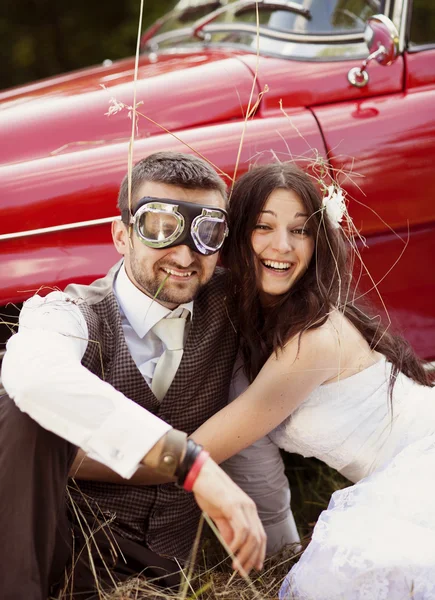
[
  {"x": 396, "y": 10},
  {"x": 417, "y": 47}
]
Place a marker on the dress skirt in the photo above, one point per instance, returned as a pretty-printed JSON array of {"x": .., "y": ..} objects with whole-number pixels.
[{"x": 376, "y": 540}]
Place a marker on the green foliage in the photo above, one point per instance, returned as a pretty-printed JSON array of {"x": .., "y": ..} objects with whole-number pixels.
[
  {"x": 422, "y": 30},
  {"x": 41, "y": 38},
  {"x": 312, "y": 483}
]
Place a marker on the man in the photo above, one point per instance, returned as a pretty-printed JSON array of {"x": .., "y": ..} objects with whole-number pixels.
[{"x": 101, "y": 368}]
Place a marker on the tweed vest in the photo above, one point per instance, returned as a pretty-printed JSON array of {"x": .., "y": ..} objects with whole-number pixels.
[{"x": 162, "y": 517}]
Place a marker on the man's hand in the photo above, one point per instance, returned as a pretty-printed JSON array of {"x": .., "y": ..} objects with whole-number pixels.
[{"x": 235, "y": 515}]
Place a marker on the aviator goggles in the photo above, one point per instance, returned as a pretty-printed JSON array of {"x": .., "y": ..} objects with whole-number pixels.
[{"x": 163, "y": 223}]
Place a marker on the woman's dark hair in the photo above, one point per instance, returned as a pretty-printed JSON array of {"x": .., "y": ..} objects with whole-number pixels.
[{"x": 325, "y": 284}]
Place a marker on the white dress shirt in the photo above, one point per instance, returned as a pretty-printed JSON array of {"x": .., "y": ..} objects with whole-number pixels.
[
  {"x": 43, "y": 374},
  {"x": 139, "y": 314}
]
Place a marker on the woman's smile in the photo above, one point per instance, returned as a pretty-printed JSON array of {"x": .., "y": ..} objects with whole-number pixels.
[
  {"x": 282, "y": 243},
  {"x": 275, "y": 268}
]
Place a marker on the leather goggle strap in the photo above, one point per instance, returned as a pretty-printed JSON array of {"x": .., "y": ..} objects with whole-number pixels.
[{"x": 125, "y": 216}]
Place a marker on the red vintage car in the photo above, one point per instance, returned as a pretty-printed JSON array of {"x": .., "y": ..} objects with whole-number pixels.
[{"x": 62, "y": 158}]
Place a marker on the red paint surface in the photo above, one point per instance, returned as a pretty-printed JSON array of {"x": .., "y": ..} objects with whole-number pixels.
[
  {"x": 389, "y": 144},
  {"x": 301, "y": 83},
  {"x": 84, "y": 185},
  {"x": 67, "y": 114},
  {"x": 62, "y": 159}
]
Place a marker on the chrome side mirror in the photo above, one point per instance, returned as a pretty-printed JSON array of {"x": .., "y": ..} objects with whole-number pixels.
[{"x": 382, "y": 39}]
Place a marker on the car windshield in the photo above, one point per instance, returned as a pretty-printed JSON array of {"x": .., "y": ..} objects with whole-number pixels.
[{"x": 316, "y": 29}]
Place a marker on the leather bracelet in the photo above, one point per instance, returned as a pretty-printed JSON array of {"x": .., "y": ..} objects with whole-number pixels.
[
  {"x": 192, "y": 451},
  {"x": 169, "y": 459},
  {"x": 195, "y": 470}
]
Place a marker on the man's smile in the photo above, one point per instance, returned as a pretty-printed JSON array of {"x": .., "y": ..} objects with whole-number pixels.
[{"x": 178, "y": 273}]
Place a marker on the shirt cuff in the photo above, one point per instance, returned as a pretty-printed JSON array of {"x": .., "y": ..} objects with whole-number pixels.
[{"x": 125, "y": 437}]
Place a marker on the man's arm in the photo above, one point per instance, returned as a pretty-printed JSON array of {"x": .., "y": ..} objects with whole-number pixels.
[
  {"x": 231, "y": 509},
  {"x": 88, "y": 469},
  {"x": 43, "y": 374}
]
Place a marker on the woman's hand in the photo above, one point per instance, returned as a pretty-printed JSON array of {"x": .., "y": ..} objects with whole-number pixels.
[
  {"x": 230, "y": 508},
  {"x": 235, "y": 516}
]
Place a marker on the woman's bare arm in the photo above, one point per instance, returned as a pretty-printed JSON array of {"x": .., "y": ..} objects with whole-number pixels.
[
  {"x": 230, "y": 508},
  {"x": 281, "y": 386}
]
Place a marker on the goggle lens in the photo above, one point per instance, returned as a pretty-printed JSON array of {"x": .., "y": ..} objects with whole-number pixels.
[
  {"x": 161, "y": 223},
  {"x": 211, "y": 233},
  {"x": 158, "y": 226}
]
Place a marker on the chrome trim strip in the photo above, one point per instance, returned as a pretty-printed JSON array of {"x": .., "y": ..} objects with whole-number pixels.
[
  {"x": 397, "y": 13},
  {"x": 399, "y": 18},
  {"x": 291, "y": 37},
  {"x": 66, "y": 227},
  {"x": 403, "y": 31},
  {"x": 154, "y": 42},
  {"x": 387, "y": 8}
]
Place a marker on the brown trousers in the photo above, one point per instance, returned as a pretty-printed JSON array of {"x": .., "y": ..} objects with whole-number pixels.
[{"x": 42, "y": 544}]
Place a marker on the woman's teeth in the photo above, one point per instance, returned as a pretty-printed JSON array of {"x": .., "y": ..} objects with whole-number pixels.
[{"x": 279, "y": 266}]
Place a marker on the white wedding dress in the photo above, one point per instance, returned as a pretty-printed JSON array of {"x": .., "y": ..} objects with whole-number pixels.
[{"x": 376, "y": 540}]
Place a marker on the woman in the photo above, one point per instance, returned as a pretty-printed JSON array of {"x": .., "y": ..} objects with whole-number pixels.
[{"x": 329, "y": 381}]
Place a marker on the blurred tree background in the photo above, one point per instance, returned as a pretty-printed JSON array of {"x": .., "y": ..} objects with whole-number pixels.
[{"x": 40, "y": 38}]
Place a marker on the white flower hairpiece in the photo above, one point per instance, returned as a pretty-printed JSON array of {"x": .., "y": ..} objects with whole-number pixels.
[{"x": 334, "y": 204}]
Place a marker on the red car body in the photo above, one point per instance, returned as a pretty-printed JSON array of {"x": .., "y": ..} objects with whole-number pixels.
[{"x": 62, "y": 158}]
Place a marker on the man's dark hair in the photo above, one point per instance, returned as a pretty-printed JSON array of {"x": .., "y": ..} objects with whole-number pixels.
[{"x": 174, "y": 168}]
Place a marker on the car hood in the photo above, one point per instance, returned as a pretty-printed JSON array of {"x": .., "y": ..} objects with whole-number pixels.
[{"x": 69, "y": 112}]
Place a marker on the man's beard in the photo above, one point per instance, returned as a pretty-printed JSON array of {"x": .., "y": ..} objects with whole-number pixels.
[{"x": 155, "y": 285}]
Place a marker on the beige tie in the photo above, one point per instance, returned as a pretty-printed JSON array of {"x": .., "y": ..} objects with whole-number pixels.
[{"x": 171, "y": 332}]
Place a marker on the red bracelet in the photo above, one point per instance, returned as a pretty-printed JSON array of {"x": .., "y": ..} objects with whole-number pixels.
[{"x": 195, "y": 470}]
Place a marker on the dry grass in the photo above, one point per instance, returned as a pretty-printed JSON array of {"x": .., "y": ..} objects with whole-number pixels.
[
  {"x": 216, "y": 582},
  {"x": 212, "y": 578}
]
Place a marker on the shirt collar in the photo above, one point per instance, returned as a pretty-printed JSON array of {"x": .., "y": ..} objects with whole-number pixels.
[{"x": 141, "y": 311}]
